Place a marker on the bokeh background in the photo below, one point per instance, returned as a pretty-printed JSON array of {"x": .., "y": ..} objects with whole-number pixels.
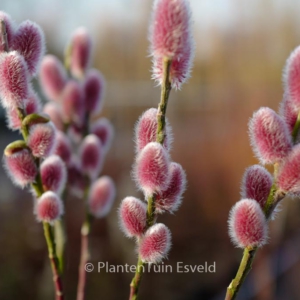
[{"x": 241, "y": 48}]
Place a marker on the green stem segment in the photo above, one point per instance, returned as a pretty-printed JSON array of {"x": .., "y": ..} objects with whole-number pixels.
[
  {"x": 296, "y": 129},
  {"x": 60, "y": 238},
  {"x": 244, "y": 269},
  {"x": 160, "y": 138}
]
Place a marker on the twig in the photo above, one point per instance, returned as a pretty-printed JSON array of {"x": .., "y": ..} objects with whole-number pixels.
[
  {"x": 48, "y": 230},
  {"x": 160, "y": 138}
]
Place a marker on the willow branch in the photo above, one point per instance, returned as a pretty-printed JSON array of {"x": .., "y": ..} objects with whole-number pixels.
[{"x": 160, "y": 138}]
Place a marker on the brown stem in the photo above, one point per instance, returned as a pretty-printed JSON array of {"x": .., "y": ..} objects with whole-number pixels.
[
  {"x": 160, "y": 138},
  {"x": 84, "y": 252},
  {"x": 3, "y": 33}
]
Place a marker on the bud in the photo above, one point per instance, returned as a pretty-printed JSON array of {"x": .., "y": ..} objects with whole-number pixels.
[
  {"x": 14, "y": 86},
  {"x": 91, "y": 156},
  {"x": 288, "y": 112},
  {"x": 291, "y": 78},
  {"x": 103, "y": 129},
  {"x": 269, "y": 136},
  {"x": 247, "y": 224},
  {"x": 14, "y": 147},
  {"x": 81, "y": 46},
  {"x": 146, "y": 130},
  {"x": 53, "y": 111},
  {"x": 101, "y": 196},
  {"x": 152, "y": 169},
  {"x": 170, "y": 199},
  {"x": 9, "y": 27},
  {"x": 42, "y": 139},
  {"x": 133, "y": 216},
  {"x": 288, "y": 177},
  {"x": 256, "y": 184},
  {"x": 32, "y": 103},
  {"x": 29, "y": 41},
  {"x": 53, "y": 174},
  {"x": 72, "y": 103},
  {"x": 34, "y": 119},
  {"x": 20, "y": 166},
  {"x": 49, "y": 207},
  {"x": 171, "y": 38},
  {"x": 63, "y": 147},
  {"x": 93, "y": 91},
  {"x": 53, "y": 77},
  {"x": 156, "y": 244}
]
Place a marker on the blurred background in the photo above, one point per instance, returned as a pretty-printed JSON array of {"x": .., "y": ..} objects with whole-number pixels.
[{"x": 241, "y": 49}]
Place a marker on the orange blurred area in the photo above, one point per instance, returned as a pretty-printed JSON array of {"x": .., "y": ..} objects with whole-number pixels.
[{"x": 238, "y": 68}]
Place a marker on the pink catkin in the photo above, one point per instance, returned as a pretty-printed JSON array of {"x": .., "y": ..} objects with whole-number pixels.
[
  {"x": 132, "y": 216},
  {"x": 151, "y": 170},
  {"x": 72, "y": 103},
  {"x": 101, "y": 197},
  {"x": 53, "y": 77},
  {"x": 146, "y": 130},
  {"x": 104, "y": 130},
  {"x": 269, "y": 135},
  {"x": 42, "y": 139},
  {"x": 49, "y": 207},
  {"x": 53, "y": 111},
  {"x": 14, "y": 85},
  {"x": 170, "y": 198},
  {"x": 63, "y": 147},
  {"x": 247, "y": 224},
  {"x": 76, "y": 180},
  {"x": 288, "y": 112},
  {"x": 171, "y": 37},
  {"x": 53, "y": 174},
  {"x": 75, "y": 132},
  {"x": 256, "y": 184},
  {"x": 81, "y": 46},
  {"x": 30, "y": 43},
  {"x": 291, "y": 78},
  {"x": 10, "y": 30},
  {"x": 288, "y": 177},
  {"x": 155, "y": 244},
  {"x": 91, "y": 155},
  {"x": 32, "y": 105},
  {"x": 21, "y": 167},
  {"x": 93, "y": 91}
]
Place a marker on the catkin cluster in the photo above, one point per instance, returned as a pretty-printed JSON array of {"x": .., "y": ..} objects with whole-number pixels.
[{"x": 275, "y": 140}]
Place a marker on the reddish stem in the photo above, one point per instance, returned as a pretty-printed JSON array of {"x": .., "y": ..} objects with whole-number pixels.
[{"x": 84, "y": 257}]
